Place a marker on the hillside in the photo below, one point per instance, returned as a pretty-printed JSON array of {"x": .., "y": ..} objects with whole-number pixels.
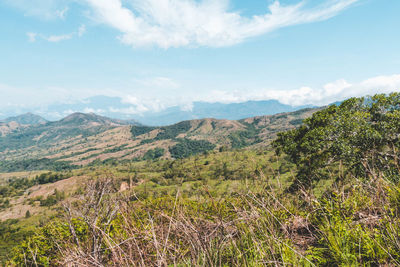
[
  {"x": 25, "y": 119},
  {"x": 13, "y": 124},
  {"x": 327, "y": 195},
  {"x": 81, "y": 139}
]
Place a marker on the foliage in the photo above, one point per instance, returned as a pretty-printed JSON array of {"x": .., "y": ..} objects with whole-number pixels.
[
  {"x": 139, "y": 130},
  {"x": 361, "y": 134},
  {"x": 50, "y": 177},
  {"x": 172, "y": 131},
  {"x": 34, "y": 164},
  {"x": 53, "y": 199},
  {"x": 115, "y": 149},
  {"x": 187, "y": 147},
  {"x": 154, "y": 154}
]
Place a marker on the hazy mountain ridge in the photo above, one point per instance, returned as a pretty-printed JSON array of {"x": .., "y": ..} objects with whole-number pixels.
[
  {"x": 115, "y": 107},
  {"x": 231, "y": 111},
  {"x": 89, "y": 119},
  {"x": 25, "y": 119}
]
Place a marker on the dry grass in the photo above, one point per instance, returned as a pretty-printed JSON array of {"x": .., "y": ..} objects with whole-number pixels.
[{"x": 19, "y": 205}]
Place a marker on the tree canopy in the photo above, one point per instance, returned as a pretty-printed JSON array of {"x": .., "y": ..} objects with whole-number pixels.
[{"x": 361, "y": 134}]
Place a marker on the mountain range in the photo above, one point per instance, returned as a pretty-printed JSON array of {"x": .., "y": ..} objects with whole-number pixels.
[
  {"x": 82, "y": 139},
  {"x": 115, "y": 107}
]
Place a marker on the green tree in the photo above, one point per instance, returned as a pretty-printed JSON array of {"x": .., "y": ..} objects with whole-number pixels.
[{"x": 362, "y": 134}]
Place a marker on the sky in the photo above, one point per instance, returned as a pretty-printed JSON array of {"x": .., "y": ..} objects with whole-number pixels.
[{"x": 159, "y": 53}]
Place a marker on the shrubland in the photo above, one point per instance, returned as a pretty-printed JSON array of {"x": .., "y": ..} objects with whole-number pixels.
[{"x": 328, "y": 194}]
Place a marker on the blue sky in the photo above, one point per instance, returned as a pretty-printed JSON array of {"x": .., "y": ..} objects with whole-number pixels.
[{"x": 158, "y": 53}]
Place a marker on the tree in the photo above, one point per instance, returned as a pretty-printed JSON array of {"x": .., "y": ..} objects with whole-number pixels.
[{"x": 362, "y": 134}]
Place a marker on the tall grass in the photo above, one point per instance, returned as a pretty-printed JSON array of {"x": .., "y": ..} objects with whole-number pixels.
[{"x": 354, "y": 223}]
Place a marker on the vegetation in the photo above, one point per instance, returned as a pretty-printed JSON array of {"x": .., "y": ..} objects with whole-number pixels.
[
  {"x": 329, "y": 196},
  {"x": 50, "y": 177},
  {"x": 361, "y": 137},
  {"x": 245, "y": 138},
  {"x": 139, "y": 130},
  {"x": 172, "y": 131},
  {"x": 187, "y": 147},
  {"x": 34, "y": 164},
  {"x": 12, "y": 233},
  {"x": 17, "y": 187},
  {"x": 154, "y": 154},
  {"x": 53, "y": 199}
]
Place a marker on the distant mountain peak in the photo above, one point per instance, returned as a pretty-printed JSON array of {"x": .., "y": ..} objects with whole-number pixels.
[
  {"x": 79, "y": 119},
  {"x": 26, "y": 119},
  {"x": 115, "y": 107}
]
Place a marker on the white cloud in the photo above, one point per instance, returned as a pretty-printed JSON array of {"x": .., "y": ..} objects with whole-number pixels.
[
  {"x": 58, "y": 38},
  {"x": 329, "y": 93},
  {"x": 139, "y": 104},
  {"x": 187, "y": 106},
  {"x": 92, "y": 110},
  {"x": 43, "y": 9},
  {"x": 61, "y": 13},
  {"x": 81, "y": 30},
  {"x": 31, "y": 36},
  {"x": 177, "y": 23}
]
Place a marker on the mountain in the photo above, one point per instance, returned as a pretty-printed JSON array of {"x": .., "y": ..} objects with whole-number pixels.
[
  {"x": 13, "y": 124},
  {"x": 82, "y": 139},
  {"x": 116, "y": 107},
  {"x": 78, "y": 119},
  {"x": 233, "y": 111},
  {"x": 25, "y": 119},
  {"x": 46, "y": 138}
]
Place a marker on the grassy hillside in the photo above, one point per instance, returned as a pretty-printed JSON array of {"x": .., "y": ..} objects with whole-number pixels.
[{"x": 198, "y": 177}]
